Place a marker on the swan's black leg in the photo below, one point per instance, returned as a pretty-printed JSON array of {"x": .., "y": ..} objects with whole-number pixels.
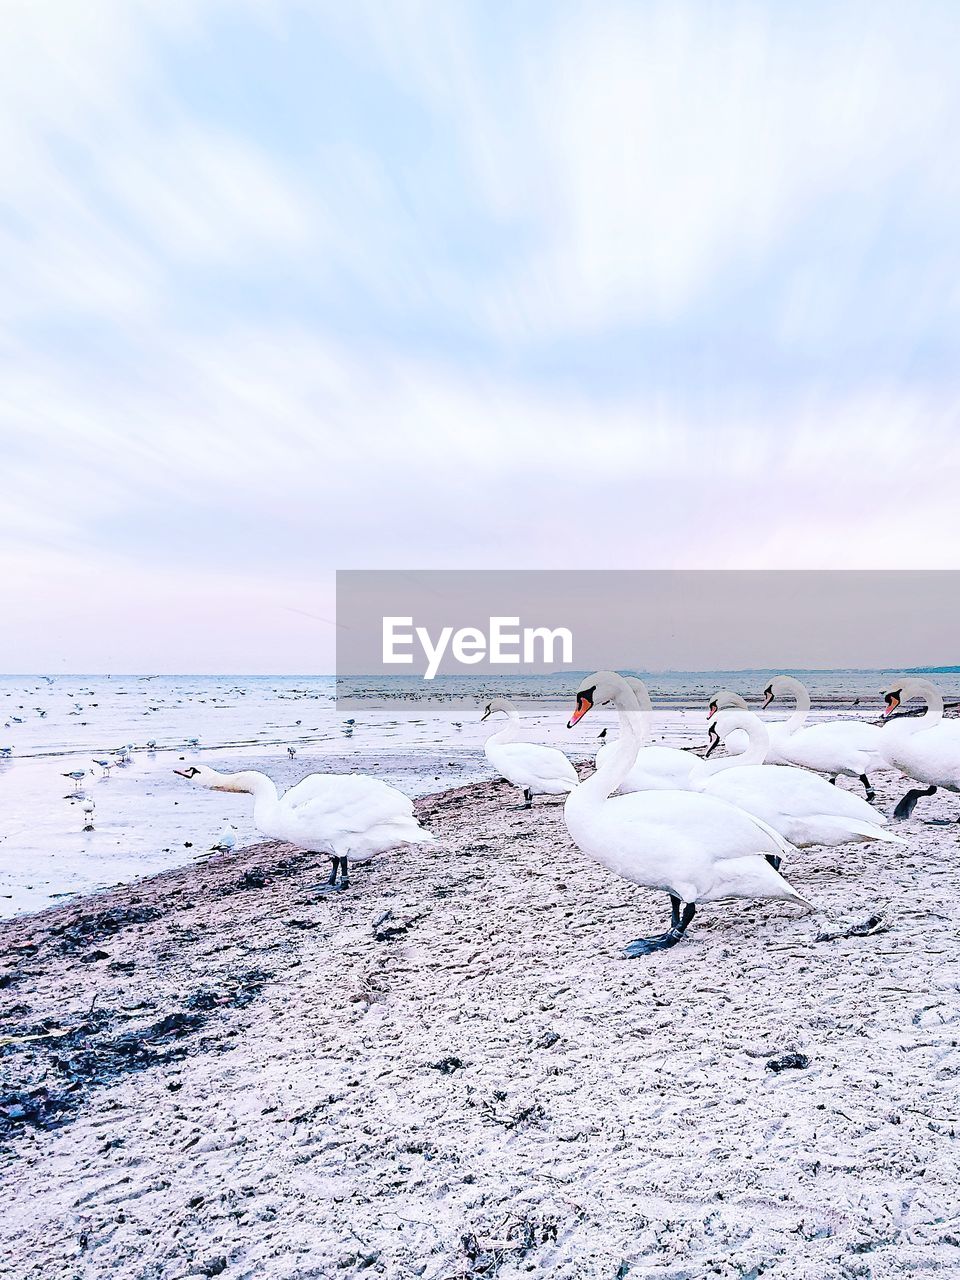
[
  {"x": 527, "y": 799},
  {"x": 868, "y": 788},
  {"x": 909, "y": 803},
  {"x": 774, "y": 859},
  {"x": 678, "y": 927},
  {"x": 338, "y": 865}
]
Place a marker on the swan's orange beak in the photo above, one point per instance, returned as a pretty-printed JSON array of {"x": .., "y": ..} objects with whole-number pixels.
[
  {"x": 712, "y": 710},
  {"x": 893, "y": 701},
  {"x": 181, "y": 773},
  {"x": 583, "y": 706}
]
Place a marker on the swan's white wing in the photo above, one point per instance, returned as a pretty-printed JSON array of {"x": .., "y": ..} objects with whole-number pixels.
[
  {"x": 834, "y": 746},
  {"x": 345, "y": 802},
  {"x": 529, "y": 764},
  {"x": 712, "y": 824},
  {"x": 791, "y": 792},
  {"x": 929, "y": 755}
]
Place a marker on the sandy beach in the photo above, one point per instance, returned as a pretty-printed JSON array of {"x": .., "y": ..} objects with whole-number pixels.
[{"x": 451, "y": 1071}]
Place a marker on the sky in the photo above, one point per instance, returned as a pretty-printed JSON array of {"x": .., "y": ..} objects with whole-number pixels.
[{"x": 291, "y": 287}]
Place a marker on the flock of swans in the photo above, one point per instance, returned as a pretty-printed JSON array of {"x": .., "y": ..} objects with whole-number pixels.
[{"x": 698, "y": 829}]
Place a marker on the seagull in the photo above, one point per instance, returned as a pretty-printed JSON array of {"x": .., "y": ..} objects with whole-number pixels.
[
  {"x": 291, "y": 752},
  {"x": 6, "y": 753},
  {"x": 226, "y": 840},
  {"x": 152, "y": 744},
  {"x": 77, "y": 775},
  {"x": 88, "y": 807}
]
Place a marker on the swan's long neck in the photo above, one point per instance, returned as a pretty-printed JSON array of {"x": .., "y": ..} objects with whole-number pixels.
[
  {"x": 758, "y": 744},
  {"x": 618, "y": 759},
  {"x": 934, "y": 700},
  {"x": 794, "y": 687},
  {"x": 266, "y": 798},
  {"x": 512, "y": 730},
  {"x": 646, "y": 707}
]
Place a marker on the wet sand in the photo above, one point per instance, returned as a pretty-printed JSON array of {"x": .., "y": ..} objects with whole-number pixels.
[{"x": 451, "y": 1071}]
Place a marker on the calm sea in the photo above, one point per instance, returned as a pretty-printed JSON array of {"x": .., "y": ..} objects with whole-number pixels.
[{"x": 421, "y": 738}]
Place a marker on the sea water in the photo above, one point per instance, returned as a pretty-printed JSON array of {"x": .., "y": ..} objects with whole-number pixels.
[{"x": 422, "y": 739}]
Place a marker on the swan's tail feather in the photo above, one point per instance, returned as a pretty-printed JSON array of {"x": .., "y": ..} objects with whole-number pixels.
[
  {"x": 411, "y": 832},
  {"x": 752, "y": 876},
  {"x": 872, "y": 831},
  {"x": 785, "y": 845}
]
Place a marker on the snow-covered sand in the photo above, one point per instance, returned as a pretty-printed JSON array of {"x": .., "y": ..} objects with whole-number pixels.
[{"x": 480, "y": 1084}]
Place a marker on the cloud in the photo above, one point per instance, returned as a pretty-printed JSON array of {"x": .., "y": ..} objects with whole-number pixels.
[
  {"x": 287, "y": 288},
  {"x": 654, "y": 159}
]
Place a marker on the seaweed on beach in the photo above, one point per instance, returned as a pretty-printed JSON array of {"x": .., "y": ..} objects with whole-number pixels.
[
  {"x": 84, "y": 929},
  {"x": 94, "y": 1052},
  {"x": 520, "y": 1236},
  {"x": 39, "y": 1108},
  {"x": 236, "y": 993}
]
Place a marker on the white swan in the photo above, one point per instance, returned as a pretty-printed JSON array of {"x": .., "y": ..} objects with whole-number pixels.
[
  {"x": 535, "y": 769},
  {"x": 655, "y": 768},
  {"x": 348, "y": 816},
  {"x": 805, "y": 809},
  {"x": 737, "y": 741},
  {"x": 849, "y": 747},
  {"x": 926, "y": 748},
  {"x": 694, "y": 847}
]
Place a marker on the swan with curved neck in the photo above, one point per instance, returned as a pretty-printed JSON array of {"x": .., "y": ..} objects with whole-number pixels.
[
  {"x": 735, "y": 743},
  {"x": 349, "y": 817},
  {"x": 694, "y": 847},
  {"x": 655, "y": 768},
  {"x": 804, "y": 809},
  {"x": 834, "y": 747},
  {"x": 926, "y": 748},
  {"x": 535, "y": 769}
]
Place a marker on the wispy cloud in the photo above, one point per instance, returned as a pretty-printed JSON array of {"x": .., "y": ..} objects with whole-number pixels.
[{"x": 287, "y": 288}]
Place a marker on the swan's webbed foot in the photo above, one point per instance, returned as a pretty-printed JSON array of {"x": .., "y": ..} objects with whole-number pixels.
[
  {"x": 339, "y": 879},
  {"x": 678, "y": 927},
  {"x": 868, "y": 788},
  {"x": 909, "y": 802},
  {"x": 774, "y": 859}
]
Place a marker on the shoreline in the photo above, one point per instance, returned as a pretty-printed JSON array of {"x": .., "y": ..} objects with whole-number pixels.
[{"x": 452, "y": 1068}]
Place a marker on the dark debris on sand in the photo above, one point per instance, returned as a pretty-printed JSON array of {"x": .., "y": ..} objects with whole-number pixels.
[{"x": 88, "y": 1017}]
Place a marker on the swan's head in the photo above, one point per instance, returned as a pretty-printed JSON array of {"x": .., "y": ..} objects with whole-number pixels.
[
  {"x": 722, "y": 723},
  {"x": 778, "y": 686},
  {"x": 497, "y": 704},
  {"x": 211, "y": 779},
  {"x": 602, "y": 686},
  {"x": 717, "y": 729},
  {"x": 724, "y": 698},
  {"x": 902, "y": 691}
]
